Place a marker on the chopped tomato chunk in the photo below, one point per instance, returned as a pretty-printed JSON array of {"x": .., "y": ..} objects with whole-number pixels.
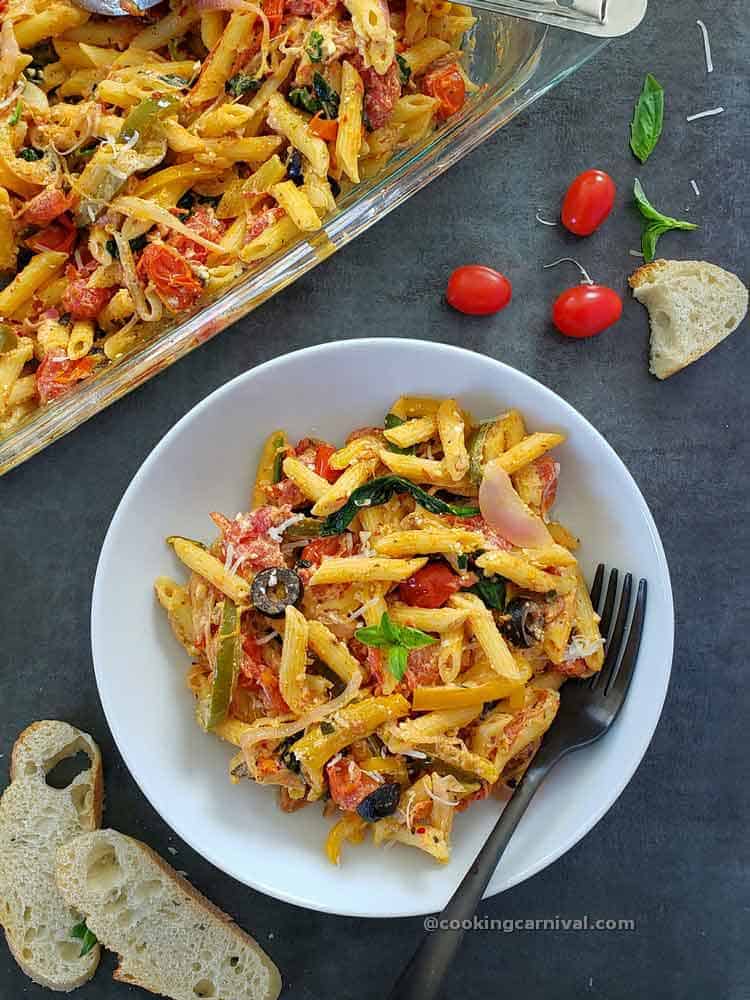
[
  {"x": 256, "y": 675},
  {"x": 447, "y": 85},
  {"x": 57, "y": 373},
  {"x": 175, "y": 283},
  {"x": 315, "y": 551},
  {"x": 348, "y": 783},
  {"x": 60, "y": 235},
  {"x": 322, "y": 467},
  {"x": 81, "y": 301},
  {"x": 274, "y": 11},
  {"x": 252, "y": 547},
  {"x": 430, "y": 587},
  {"x": 324, "y": 128},
  {"x": 205, "y": 224},
  {"x": 46, "y": 206}
]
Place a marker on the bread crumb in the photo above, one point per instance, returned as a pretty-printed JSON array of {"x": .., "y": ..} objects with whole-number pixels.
[{"x": 172, "y": 850}]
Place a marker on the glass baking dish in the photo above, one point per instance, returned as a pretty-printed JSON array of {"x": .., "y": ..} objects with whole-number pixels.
[{"x": 513, "y": 62}]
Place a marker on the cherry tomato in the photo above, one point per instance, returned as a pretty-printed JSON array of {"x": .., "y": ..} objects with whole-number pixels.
[
  {"x": 57, "y": 373},
  {"x": 46, "y": 206},
  {"x": 175, "y": 283},
  {"x": 447, "y": 84},
  {"x": 588, "y": 202},
  {"x": 322, "y": 457},
  {"x": 59, "y": 235},
  {"x": 430, "y": 587},
  {"x": 348, "y": 783},
  {"x": 274, "y": 11},
  {"x": 586, "y": 310},
  {"x": 314, "y": 552},
  {"x": 478, "y": 290}
]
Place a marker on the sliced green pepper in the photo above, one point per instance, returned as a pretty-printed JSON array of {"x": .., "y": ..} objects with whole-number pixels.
[
  {"x": 280, "y": 445},
  {"x": 308, "y": 527},
  {"x": 144, "y": 116},
  {"x": 476, "y": 452},
  {"x": 8, "y": 339},
  {"x": 393, "y": 420},
  {"x": 214, "y": 708}
]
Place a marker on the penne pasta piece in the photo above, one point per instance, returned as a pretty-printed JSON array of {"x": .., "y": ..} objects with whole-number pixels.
[
  {"x": 297, "y": 205},
  {"x": 525, "y": 574},
  {"x": 428, "y": 619},
  {"x": 425, "y": 470},
  {"x": 40, "y": 270},
  {"x": 337, "y": 493},
  {"x": 52, "y": 21},
  {"x": 452, "y": 696},
  {"x": 528, "y": 450},
  {"x": 450, "y": 653},
  {"x": 412, "y": 432},
  {"x": 363, "y": 569},
  {"x": 200, "y": 561},
  {"x": 285, "y": 119},
  {"x": 423, "y": 53},
  {"x": 270, "y": 241},
  {"x": 293, "y": 666},
  {"x": 562, "y": 536},
  {"x": 311, "y": 484},
  {"x": 331, "y": 651},
  {"x": 349, "y": 136},
  {"x": 157, "y": 35},
  {"x": 358, "y": 450},
  {"x": 275, "y": 447},
  {"x": 81, "y": 339},
  {"x": 485, "y": 630},
  {"x": 429, "y": 541},
  {"x": 451, "y": 428}
]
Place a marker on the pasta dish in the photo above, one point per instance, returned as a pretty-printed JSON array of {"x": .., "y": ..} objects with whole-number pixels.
[
  {"x": 147, "y": 163},
  {"x": 387, "y": 626}
]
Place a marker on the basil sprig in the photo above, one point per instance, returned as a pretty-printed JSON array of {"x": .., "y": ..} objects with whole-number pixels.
[
  {"x": 87, "y": 938},
  {"x": 321, "y": 98},
  {"x": 648, "y": 119},
  {"x": 654, "y": 223},
  {"x": 404, "y": 69},
  {"x": 491, "y": 590},
  {"x": 380, "y": 491},
  {"x": 242, "y": 83},
  {"x": 314, "y": 47},
  {"x": 397, "y": 640}
]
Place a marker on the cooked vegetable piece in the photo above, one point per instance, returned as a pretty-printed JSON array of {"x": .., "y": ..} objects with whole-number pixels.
[
  {"x": 274, "y": 589},
  {"x": 380, "y": 803},
  {"x": 525, "y": 624},
  {"x": 214, "y": 709}
]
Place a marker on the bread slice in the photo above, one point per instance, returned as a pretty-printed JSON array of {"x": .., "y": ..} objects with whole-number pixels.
[
  {"x": 35, "y": 819},
  {"x": 170, "y": 939},
  {"x": 692, "y": 307}
]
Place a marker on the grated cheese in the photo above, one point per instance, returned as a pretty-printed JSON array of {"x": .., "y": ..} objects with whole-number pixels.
[
  {"x": 706, "y": 46},
  {"x": 365, "y": 549},
  {"x": 436, "y": 798},
  {"x": 635, "y": 253},
  {"x": 361, "y": 610},
  {"x": 266, "y": 638},
  {"x": 577, "y": 649},
  {"x": 705, "y": 114},
  {"x": 277, "y": 533},
  {"x": 695, "y": 188}
]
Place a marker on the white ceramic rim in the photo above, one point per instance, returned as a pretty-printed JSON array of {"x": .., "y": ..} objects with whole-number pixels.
[{"x": 496, "y": 885}]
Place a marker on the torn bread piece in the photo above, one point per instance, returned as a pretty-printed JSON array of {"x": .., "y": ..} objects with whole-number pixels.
[
  {"x": 692, "y": 306},
  {"x": 35, "y": 819},
  {"x": 170, "y": 939}
]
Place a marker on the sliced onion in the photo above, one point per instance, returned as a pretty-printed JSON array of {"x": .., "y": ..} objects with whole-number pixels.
[
  {"x": 505, "y": 511},
  {"x": 267, "y": 729}
]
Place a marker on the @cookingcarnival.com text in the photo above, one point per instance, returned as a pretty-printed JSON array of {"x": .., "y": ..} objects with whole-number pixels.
[{"x": 511, "y": 925}]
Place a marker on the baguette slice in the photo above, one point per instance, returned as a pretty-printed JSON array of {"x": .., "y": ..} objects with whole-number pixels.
[
  {"x": 35, "y": 819},
  {"x": 692, "y": 307},
  {"x": 169, "y": 938}
]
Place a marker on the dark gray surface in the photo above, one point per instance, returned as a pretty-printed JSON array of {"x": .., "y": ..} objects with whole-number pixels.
[{"x": 672, "y": 854}]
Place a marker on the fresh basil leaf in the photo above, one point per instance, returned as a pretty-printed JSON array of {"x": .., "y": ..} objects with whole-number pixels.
[
  {"x": 392, "y": 420},
  {"x": 491, "y": 590},
  {"x": 303, "y": 98},
  {"x": 404, "y": 69},
  {"x": 326, "y": 96},
  {"x": 136, "y": 245},
  {"x": 388, "y": 629},
  {"x": 413, "y": 638},
  {"x": 372, "y": 635},
  {"x": 648, "y": 119},
  {"x": 655, "y": 224},
  {"x": 462, "y": 561},
  {"x": 397, "y": 660},
  {"x": 79, "y": 931},
  {"x": 314, "y": 47},
  {"x": 30, "y": 154},
  {"x": 380, "y": 491},
  {"x": 241, "y": 83}
]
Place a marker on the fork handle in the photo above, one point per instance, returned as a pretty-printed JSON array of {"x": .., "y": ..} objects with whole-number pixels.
[{"x": 421, "y": 979}]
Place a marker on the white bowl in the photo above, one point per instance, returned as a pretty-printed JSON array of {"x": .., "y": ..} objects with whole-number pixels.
[{"x": 205, "y": 463}]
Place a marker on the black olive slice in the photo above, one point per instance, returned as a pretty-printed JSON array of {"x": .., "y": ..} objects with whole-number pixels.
[
  {"x": 380, "y": 803},
  {"x": 524, "y": 624},
  {"x": 273, "y": 589}
]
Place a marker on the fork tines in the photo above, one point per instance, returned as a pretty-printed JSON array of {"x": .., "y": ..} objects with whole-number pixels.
[{"x": 621, "y": 631}]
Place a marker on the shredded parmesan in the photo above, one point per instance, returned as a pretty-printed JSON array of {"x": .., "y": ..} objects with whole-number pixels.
[
  {"x": 414, "y": 753},
  {"x": 695, "y": 188},
  {"x": 358, "y": 612},
  {"x": 229, "y": 556},
  {"x": 705, "y": 114},
  {"x": 706, "y": 46},
  {"x": 365, "y": 548},
  {"x": 635, "y": 253},
  {"x": 373, "y": 775},
  {"x": 577, "y": 649},
  {"x": 277, "y": 533},
  {"x": 436, "y": 798},
  {"x": 262, "y": 640}
]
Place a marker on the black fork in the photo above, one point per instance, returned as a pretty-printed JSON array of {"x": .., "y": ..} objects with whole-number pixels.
[{"x": 588, "y": 708}]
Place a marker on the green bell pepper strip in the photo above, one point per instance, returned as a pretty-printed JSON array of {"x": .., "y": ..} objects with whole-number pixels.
[
  {"x": 144, "y": 116},
  {"x": 214, "y": 708}
]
